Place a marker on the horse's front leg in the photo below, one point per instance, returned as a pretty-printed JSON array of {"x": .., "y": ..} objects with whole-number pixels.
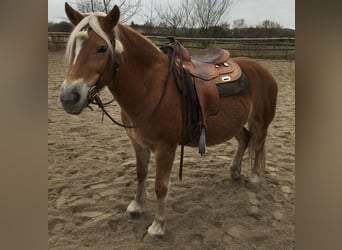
[
  {"x": 164, "y": 161},
  {"x": 138, "y": 205}
]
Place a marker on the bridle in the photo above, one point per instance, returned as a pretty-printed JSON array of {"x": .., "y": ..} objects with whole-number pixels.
[{"x": 94, "y": 98}]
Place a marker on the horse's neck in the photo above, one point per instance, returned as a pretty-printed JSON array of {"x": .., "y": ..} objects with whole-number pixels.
[
  {"x": 137, "y": 84},
  {"x": 138, "y": 48}
]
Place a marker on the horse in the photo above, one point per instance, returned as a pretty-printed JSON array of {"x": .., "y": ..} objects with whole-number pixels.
[{"x": 101, "y": 52}]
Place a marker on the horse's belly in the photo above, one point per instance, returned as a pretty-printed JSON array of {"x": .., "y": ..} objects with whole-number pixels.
[{"x": 230, "y": 120}]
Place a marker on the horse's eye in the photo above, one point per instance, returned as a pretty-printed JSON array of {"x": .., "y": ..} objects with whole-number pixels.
[{"x": 101, "y": 50}]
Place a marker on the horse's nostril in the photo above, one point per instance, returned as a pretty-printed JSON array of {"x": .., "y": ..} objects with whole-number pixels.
[
  {"x": 73, "y": 96},
  {"x": 76, "y": 97},
  {"x": 70, "y": 98}
]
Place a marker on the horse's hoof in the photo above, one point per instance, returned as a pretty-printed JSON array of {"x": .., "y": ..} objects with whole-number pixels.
[
  {"x": 253, "y": 182},
  {"x": 250, "y": 185},
  {"x": 235, "y": 175},
  {"x": 135, "y": 210},
  {"x": 152, "y": 238},
  {"x": 134, "y": 215}
]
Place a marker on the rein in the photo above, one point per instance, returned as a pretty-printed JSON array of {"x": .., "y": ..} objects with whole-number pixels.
[{"x": 94, "y": 98}]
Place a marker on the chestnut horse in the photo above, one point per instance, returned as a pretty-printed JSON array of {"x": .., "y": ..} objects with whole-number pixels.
[{"x": 103, "y": 52}]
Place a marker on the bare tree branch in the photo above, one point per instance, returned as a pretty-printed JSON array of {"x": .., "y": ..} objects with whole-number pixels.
[
  {"x": 203, "y": 14},
  {"x": 149, "y": 13},
  {"x": 189, "y": 18},
  {"x": 174, "y": 16},
  {"x": 239, "y": 23},
  {"x": 268, "y": 24},
  {"x": 209, "y": 13},
  {"x": 128, "y": 8}
]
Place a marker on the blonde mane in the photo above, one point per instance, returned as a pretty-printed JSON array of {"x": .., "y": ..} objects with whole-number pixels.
[{"x": 91, "y": 20}]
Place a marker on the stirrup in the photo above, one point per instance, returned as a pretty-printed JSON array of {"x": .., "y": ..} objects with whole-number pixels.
[{"x": 201, "y": 147}]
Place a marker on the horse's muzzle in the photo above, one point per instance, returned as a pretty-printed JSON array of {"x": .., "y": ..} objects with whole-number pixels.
[{"x": 74, "y": 97}]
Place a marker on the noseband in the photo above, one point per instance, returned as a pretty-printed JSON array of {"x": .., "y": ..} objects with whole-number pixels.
[{"x": 94, "y": 98}]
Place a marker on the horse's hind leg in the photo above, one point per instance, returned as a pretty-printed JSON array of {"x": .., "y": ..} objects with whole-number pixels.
[
  {"x": 243, "y": 140},
  {"x": 257, "y": 149},
  {"x": 138, "y": 205}
]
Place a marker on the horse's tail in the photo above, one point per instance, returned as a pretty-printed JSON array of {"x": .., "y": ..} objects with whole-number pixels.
[
  {"x": 256, "y": 142},
  {"x": 259, "y": 119}
]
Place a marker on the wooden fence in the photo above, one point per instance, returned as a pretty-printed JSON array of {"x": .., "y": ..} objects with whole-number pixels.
[
  {"x": 57, "y": 40},
  {"x": 272, "y": 48}
]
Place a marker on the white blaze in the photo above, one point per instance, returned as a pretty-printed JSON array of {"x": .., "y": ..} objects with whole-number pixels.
[
  {"x": 78, "y": 48},
  {"x": 81, "y": 36}
]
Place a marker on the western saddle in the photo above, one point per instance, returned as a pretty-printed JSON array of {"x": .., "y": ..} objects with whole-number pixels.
[{"x": 208, "y": 69}]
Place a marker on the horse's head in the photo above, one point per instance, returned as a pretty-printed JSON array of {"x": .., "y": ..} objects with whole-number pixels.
[{"x": 91, "y": 55}]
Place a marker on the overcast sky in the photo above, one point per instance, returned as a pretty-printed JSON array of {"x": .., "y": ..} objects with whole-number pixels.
[{"x": 253, "y": 11}]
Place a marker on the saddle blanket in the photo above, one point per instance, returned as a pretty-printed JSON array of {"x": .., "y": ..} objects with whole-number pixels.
[{"x": 238, "y": 87}]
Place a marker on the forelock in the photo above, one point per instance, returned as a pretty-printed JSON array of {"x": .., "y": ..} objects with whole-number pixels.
[{"x": 79, "y": 32}]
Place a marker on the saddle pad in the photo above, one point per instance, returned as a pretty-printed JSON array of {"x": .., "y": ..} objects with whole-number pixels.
[{"x": 237, "y": 87}]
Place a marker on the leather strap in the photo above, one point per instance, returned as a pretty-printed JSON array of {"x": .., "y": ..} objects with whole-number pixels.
[{"x": 94, "y": 98}]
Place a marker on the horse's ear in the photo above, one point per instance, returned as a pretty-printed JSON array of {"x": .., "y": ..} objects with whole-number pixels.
[
  {"x": 112, "y": 19},
  {"x": 74, "y": 16}
]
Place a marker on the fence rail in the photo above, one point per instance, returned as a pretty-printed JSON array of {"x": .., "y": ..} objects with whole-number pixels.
[
  {"x": 57, "y": 40},
  {"x": 273, "y": 48}
]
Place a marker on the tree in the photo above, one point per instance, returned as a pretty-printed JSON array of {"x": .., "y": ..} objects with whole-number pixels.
[
  {"x": 239, "y": 24},
  {"x": 225, "y": 26},
  {"x": 128, "y": 8},
  {"x": 87, "y": 6},
  {"x": 209, "y": 13},
  {"x": 270, "y": 28},
  {"x": 174, "y": 16},
  {"x": 150, "y": 14},
  {"x": 268, "y": 24},
  {"x": 203, "y": 14},
  {"x": 239, "y": 28},
  {"x": 59, "y": 27},
  {"x": 189, "y": 14}
]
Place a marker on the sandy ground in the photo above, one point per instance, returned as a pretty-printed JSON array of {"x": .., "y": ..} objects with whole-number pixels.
[{"x": 91, "y": 180}]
